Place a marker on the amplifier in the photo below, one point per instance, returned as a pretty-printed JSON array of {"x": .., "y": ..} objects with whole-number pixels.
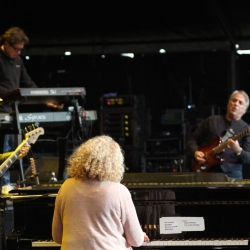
[
  {"x": 118, "y": 102},
  {"x": 123, "y": 102}
]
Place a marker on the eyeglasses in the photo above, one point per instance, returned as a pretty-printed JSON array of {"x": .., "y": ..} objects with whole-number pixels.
[{"x": 16, "y": 49}]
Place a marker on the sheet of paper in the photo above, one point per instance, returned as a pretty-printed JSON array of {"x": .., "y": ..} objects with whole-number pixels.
[
  {"x": 175, "y": 225},
  {"x": 192, "y": 224},
  {"x": 170, "y": 225}
]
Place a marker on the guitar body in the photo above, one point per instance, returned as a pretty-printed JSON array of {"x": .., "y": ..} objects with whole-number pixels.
[{"x": 211, "y": 157}]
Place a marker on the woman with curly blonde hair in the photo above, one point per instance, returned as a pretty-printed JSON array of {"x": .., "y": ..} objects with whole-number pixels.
[{"x": 93, "y": 209}]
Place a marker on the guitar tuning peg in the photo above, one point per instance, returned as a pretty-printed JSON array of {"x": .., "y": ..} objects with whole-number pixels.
[{"x": 30, "y": 127}]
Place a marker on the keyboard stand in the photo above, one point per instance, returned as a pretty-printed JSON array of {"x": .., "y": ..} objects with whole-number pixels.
[
  {"x": 19, "y": 140},
  {"x": 63, "y": 145}
]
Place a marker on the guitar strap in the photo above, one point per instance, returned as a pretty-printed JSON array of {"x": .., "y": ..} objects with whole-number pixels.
[
  {"x": 235, "y": 128},
  {"x": 229, "y": 133}
]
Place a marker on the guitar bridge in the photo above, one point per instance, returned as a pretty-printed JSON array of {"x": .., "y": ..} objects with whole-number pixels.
[{"x": 203, "y": 167}]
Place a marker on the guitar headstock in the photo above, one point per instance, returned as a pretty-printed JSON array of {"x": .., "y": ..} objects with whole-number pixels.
[
  {"x": 32, "y": 136},
  {"x": 33, "y": 170}
]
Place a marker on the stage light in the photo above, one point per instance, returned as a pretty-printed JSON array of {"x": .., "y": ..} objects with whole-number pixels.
[
  {"x": 245, "y": 51},
  {"x": 67, "y": 53},
  {"x": 190, "y": 106},
  {"x": 131, "y": 55}
]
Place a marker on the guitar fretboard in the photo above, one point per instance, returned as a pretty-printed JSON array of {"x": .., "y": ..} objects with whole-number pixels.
[
  {"x": 219, "y": 148},
  {"x": 4, "y": 167}
]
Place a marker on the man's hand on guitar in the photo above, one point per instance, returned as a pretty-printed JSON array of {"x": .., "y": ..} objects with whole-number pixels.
[
  {"x": 199, "y": 157},
  {"x": 234, "y": 146},
  {"x": 24, "y": 151}
]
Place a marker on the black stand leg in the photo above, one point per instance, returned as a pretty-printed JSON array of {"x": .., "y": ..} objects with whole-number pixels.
[
  {"x": 62, "y": 150},
  {"x": 19, "y": 140},
  {"x": 2, "y": 224}
]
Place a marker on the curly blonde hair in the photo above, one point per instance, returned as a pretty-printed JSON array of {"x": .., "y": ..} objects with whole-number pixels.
[{"x": 98, "y": 158}]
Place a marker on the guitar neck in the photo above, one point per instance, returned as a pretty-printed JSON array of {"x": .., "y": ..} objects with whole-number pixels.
[
  {"x": 220, "y": 147},
  {"x": 11, "y": 159},
  {"x": 30, "y": 138}
]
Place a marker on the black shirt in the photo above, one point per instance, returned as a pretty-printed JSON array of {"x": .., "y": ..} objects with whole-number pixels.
[
  {"x": 216, "y": 127},
  {"x": 13, "y": 75}
]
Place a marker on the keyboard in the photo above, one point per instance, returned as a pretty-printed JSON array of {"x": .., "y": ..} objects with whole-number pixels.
[
  {"x": 200, "y": 242},
  {"x": 43, "y": 95},
  {"x": 45, "y": 119},
  {"x": 172, "y": 242}
]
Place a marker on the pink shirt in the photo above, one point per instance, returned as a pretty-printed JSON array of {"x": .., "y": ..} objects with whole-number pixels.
[{"x": 95, "y": 215}]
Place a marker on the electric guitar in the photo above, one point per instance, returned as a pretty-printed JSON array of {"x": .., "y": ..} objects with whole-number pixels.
[
  {"x": 212, "y": 152},
  {"x": 30, "y": 137}
]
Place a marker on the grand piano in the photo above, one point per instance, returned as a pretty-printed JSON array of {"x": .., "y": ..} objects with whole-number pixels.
[{"x": 218, "y": 207}]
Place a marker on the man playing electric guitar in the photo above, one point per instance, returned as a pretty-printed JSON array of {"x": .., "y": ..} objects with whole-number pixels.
[{"x": 227, "y": 140}]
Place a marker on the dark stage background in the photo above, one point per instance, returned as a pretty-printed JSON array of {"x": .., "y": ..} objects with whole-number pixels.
[
  {"x": 200, "y": 67},
  {"x": 168, "y": 81}
]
